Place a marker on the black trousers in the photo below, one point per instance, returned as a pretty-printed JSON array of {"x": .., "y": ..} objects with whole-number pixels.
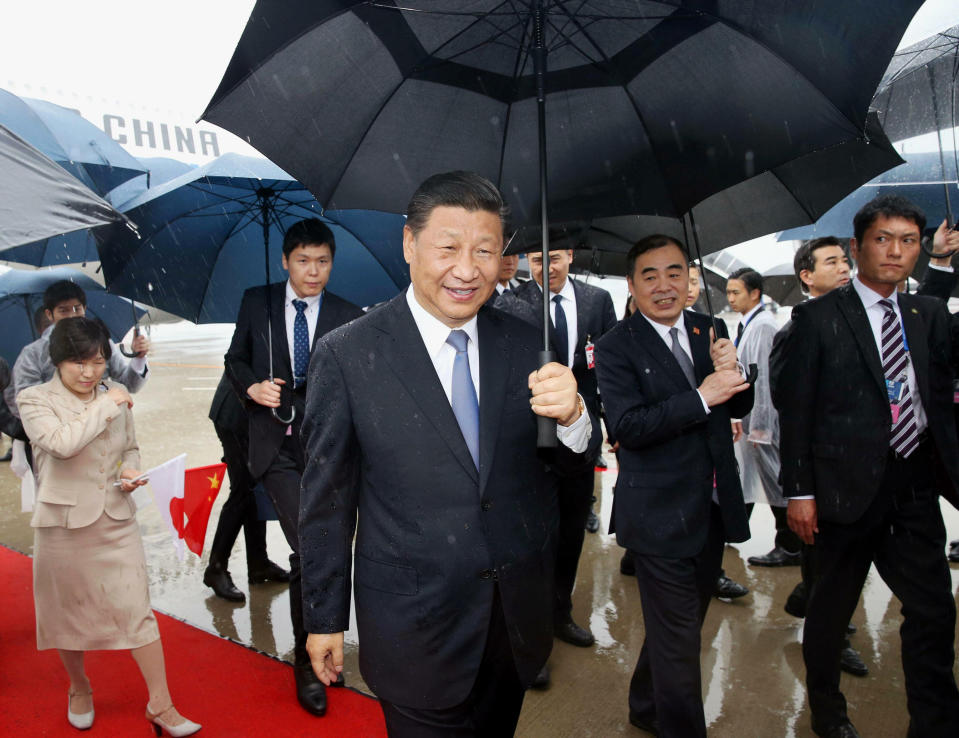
[
  {"x": 239, "y": 510},
  {"x": 902, "y": 533},
  {"x": 282, "y": 484},
  {"x": 675, "y": 593},
  {"x": 786, "y": 539},
  {"x": 490, "y": 711},
  {"x": 575, "y": 498}
]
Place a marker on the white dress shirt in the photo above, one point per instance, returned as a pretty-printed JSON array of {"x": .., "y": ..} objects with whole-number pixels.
[
  {"x": 312, "y": 312},
  {"x": 434, "y": 334},
  {"x": 683, "y": 338},
  {"x": 875, "y": 312},
  {"x": 568, "y": 295}
]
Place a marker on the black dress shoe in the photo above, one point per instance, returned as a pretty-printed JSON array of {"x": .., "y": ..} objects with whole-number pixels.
[
  {"x": 777, "y": 557},
  {"x": 542, "y": 679},
  {"x": 727, "y": 589},
  {"x": 7, "y": 456},
  {"x": 600, "y": 463},
  {"x": 572, "y": 634},
  {"x": 796, "y": 602},
  {"x": 649, "y": 725},
  {"x": 844, "y": 729},
  {"x": 222, "y": 584},
  {"x": 267, "y": 572},
  {"x": 954, "y": 552},
  {"x": 627, "y": 565},
  {"x": 310, "y": 691},
  {"x": 851, "y": 663},
  {"x": 592, "y": 522}
]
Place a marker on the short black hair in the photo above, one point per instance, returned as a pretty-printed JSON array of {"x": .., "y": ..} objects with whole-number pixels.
[
  {"x": 886, "y": 206},
  {"x": 62, "y": 291},
  {"x": 40, "y": 319},
  {"x": 459, "y": 189},
  {"x": 77, "y": 339},
  {"x": 805, "y": 258},
  {"x": 749, "y": 277},
  {"x": 308, "y": 232},
  {"x": 649, "y": 243}
]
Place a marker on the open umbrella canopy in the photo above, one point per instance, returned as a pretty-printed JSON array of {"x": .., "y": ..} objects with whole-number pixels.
[
  {"x": 919, "y": 180},
  {"x": 202, "y": 241},
  {"x": 797, "y": 192},
  {"x": 919, "y": 92},
  {"x": 651, "y": 106},
  {"x": 70, "y": 140},
  {"x": 21, "y": 295},
  {"x": 38, "y": 199},
  {"x": 80, "y": 246}
]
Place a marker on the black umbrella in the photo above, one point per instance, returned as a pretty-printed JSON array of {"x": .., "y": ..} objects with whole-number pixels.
[{"x": 639, "y": 107}]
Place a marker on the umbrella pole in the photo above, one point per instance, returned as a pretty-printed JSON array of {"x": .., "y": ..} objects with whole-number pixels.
[
  {"x": 546, "y": 427},
  {"x": 263, "y": 195}
]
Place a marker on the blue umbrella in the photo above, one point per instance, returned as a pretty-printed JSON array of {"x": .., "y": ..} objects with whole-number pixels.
[
  {"x": 80, "y": 246},
  {"x": 202, "y": 241},
  {"x": 70, "y": 140},
  {"x": 919, "y": 180},
  {"x": 38, "y": 198},
  {"x": 21, "y": 295}
]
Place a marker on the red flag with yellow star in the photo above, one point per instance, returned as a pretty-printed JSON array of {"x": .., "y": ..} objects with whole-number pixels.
[{"x": 191, "y": 513}]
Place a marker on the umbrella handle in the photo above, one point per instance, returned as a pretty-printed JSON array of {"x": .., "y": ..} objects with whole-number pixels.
[
  {"x": 752, "y": 375},
  {"x": 130, "y": 354},
  {"x": 285, "y": 421}
]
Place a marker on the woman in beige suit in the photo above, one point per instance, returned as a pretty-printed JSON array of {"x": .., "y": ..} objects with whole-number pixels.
[{"x": 89, "y": 573}]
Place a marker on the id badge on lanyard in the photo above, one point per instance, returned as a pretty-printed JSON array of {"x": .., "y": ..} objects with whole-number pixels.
[{"x": 894, "y": 390}]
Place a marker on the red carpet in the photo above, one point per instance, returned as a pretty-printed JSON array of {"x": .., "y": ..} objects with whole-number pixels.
[{"x": 231, "y": 690}]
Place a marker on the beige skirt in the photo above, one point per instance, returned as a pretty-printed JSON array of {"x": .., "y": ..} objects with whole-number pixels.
[{"x": 90, "y": 587}]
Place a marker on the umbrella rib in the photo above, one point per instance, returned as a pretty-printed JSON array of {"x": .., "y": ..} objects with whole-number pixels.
[
  {"x": 635, "y": 106},
  {"x": 521, "y": 52}
]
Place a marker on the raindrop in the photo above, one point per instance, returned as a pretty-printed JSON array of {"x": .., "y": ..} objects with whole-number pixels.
[
  {"x": 750, "y": 163},
  {"x": 494, "y": 120},
  {"x": 149, "y": 286}
]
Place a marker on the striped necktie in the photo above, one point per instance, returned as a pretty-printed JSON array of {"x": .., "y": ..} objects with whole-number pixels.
[{"x": 895, "y": 360}]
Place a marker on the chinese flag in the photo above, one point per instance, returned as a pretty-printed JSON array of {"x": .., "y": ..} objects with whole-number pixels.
[{"x": 191, "y": 513}]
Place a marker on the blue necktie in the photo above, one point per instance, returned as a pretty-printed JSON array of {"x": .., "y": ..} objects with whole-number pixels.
[
  {"x": 301, "y": 344},
  {"x": 465, "y": 404},
  {"x": 561, "y": 332}
]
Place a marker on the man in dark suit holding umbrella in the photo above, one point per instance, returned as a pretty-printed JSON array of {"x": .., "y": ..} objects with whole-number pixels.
[
  {"x": 421, "y": 435},
  {"x": 670, "y": 389},
  {"x": 276, "y": 329}
]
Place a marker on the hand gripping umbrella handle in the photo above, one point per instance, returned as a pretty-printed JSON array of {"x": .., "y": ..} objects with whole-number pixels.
[{"x": 130, "y": 354}]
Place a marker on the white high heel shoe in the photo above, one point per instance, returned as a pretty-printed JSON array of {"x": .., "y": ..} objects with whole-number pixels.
[
  {"x": 160, "y": 726},
  {"x": 79, "y": 720}
]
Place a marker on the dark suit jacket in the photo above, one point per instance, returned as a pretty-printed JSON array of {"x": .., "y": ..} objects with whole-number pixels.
[
  {"x": 433, "y": 536},
  {"x": 226, "y": 410},
  {"x": 247, "y": 362},
  {"x": 938, "y": 283},
  {"x": 669, "y": 447},
  {"x": 833, "y": 408},
  {"x": 594, "y": 317}
]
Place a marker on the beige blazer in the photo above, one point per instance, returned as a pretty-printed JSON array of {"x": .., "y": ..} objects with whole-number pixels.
[{"x": 79, "y": 450}]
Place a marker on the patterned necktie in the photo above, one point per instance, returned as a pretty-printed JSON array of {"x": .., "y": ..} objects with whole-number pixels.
[
  {"x": 301, "y": 344},
  {"x": 561, "y": 331},
  {"x": 682, "y": 357},
  {"x": 895, "y": 359},
  {"x": 465, "y": 404}
]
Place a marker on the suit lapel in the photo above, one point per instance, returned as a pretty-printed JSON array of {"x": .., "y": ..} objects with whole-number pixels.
[
  {"x": 494, "y": 364},
  {"x": 699, "y": 345},
  {"x": 917, "y": 336},
  {"x": 582, "y": 314},
  {"x": 855, "y": 314},
  {"x": 649, "y": 340},
  {"x": 325, "y": 320},
  {"x": 281, "y": 347},
  {"x": 407, "y": 356}
]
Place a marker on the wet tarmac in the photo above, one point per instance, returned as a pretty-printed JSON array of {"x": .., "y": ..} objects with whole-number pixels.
[{"x": 752, "y": 663}]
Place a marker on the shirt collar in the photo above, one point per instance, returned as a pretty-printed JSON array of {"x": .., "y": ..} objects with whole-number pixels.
[
  {"x": 434, "y": 331},
  {"x": 566, "y": 292},
  {"x": 870, "y": 297},
  {"x": 291, "y": 296},
  {"x": 749, "y": 316},
  {"x": 663, "y": 330}
]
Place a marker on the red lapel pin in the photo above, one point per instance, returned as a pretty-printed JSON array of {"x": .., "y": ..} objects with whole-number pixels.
[{"x": 696, "y": 330}]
